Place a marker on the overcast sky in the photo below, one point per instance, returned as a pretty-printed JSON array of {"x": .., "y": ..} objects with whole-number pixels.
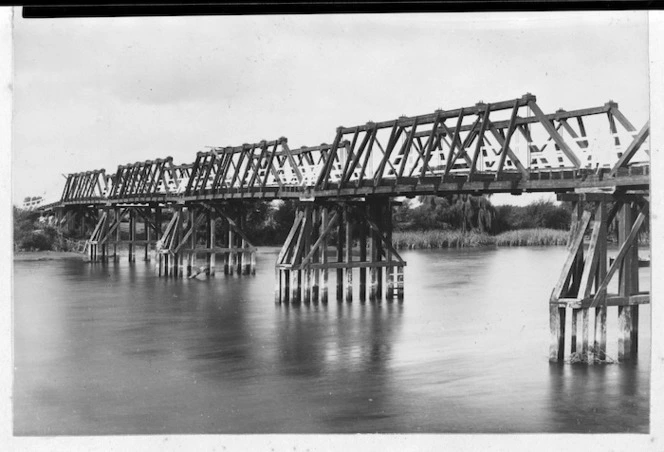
[{"x": 95, "y": 93}]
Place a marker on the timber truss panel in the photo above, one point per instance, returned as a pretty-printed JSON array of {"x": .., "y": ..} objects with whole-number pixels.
[
  {"x": 149, "y": 179},
  {"x": 88, "y": 186},
  {"x": 487, "y": 142},
  {"x": 260, "y": 169},
  {"x": 588, "y": 274}
]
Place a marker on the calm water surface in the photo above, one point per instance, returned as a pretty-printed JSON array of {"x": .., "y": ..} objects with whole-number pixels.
[{"x": 114, "y": 349}]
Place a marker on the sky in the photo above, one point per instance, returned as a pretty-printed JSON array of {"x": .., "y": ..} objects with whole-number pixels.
[{"x": 96, "y": 93}]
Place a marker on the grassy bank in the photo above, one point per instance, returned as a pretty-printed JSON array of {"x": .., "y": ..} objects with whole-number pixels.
[{"x": 458, "y": 239}]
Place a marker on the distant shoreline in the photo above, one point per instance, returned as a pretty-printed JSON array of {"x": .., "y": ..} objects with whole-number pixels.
[{"x": 22, "y": 256}]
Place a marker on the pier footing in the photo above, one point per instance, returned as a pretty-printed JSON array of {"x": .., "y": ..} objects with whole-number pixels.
[
  {"x": 583, "y": 286},
  {"x": 348, "y": 238}
]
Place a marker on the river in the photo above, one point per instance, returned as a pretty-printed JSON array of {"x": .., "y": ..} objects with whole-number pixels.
[{"x": 115, "y": 349}]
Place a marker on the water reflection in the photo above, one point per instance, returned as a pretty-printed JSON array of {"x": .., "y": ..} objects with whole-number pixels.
[
  {"x": 318, "y": 339},
  {"x": 115, "y": 349},
  {"x": 594, "y": 399},
  {"x": 346, "y": 352}
]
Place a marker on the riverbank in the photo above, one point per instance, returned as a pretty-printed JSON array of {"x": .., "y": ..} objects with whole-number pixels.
[
  {"x": 458, "y": 239},
  {"x": 47, "y": 255}
]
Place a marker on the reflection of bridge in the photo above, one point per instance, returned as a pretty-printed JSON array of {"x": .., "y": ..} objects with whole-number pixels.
[{"x": 593, "y": 157}]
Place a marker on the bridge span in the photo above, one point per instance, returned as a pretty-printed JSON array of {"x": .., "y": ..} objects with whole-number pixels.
[{"x": 594, "y": 157}]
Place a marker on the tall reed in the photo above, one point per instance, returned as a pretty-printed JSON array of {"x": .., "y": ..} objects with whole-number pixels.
[{"x": 458, "y": 239}]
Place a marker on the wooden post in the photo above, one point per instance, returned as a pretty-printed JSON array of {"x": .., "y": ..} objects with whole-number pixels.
[
  {"x": 315, "y": 287},
  {"x": 600, "y": 333},
  {"x": 575, "y": 339},
  {"x": 584, "y": 334},
  {"x": 193, "y": 239},
  {"x": 146, "y": 224},
  {"x": 364, "y": 230},
  {"x": 132, "y": 234},
  {"x": 118, "y": 220},
  {"x": 389, "y": 271},
  {"x": 380, "y": 221},
  {"x": 600, "y": 311},
  {"x": 243, "y": 244},
  {"x": 277, "y": 285},
  {"x": 557, "y": 327},
  {"x": 231, "y": 253},
  {"x": 212, "y": 257},
  {"x": 285, "y": 286},
  {"x": 373, "y": 291},
  {"x": 340, "y": 258},
  {"x": 577, "y": 266},
  {"x": 227, "y": 244},
  {"x": 349, "y": 255},
  {"x": 104, "y": 230},
  {"x": 627, "y": 285},
  {"x": 158, "y": 257},
  {"x": 307, "y": 246},
  {"x": 400, "y": 284},
  {"x": 323, "y": 253},
  {"x": 624, "y": 333},
  {"x": 177, "y": 259},
  {"x": 295, "y": 286}
]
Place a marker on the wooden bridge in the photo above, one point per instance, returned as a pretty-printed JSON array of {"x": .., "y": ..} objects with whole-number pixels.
[{"x": 592, "y": 157}]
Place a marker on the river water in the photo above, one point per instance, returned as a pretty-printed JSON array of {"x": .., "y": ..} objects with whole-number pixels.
[{"x": 114, "y": 349}]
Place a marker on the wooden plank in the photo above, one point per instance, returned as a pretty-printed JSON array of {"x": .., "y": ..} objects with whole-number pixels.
[
  {"x": 289, "y": 239},
  {"x": 460, "y": 147},
  {"x": 343, "y": 265},
  {"x": 600, "y": 333},
  {"x": 610, "y": 300},
  {"x": 507, "y": 151},
  {"x": 557, "y": 329},
  {"x": 624, "y": 333},
  {"x": 323, "y": 177},
  {"x": 391, "y": 144},
  {"x": 430, "y": 144},
  {"x": 508, "y": 136},
  {"x": 553, "y": 133},
  {"x": 573, "y": 249},
  {"x": 592, "y": 256},
  {"x": 480, "y": 140}
]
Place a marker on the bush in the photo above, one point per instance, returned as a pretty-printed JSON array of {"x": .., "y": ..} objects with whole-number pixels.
[
  {"x": 37, "y": 241},
  {"x": 541, "y": 214}
]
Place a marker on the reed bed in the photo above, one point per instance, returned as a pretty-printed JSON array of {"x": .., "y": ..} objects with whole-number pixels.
[
  {"x": 439, "y": 239},
  {"x": 532, "y": 237},
  {"x": 458, "y": 239}
]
